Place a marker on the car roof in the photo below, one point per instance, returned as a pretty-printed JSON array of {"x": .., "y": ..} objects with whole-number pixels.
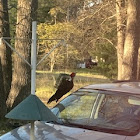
[{"x": 124, "y": 87}]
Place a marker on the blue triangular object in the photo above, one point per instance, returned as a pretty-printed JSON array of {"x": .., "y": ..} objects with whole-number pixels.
[{"x": 31, "y": 108}]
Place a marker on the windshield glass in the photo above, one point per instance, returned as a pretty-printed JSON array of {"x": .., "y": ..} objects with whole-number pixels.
[{"x": 113, "y": 113}]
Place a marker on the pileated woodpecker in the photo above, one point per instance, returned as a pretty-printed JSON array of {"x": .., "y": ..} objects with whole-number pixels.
[{"x": 65, "y": 86}]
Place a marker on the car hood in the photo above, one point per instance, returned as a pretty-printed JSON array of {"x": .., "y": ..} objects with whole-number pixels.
[{"x": 47, "y": 131}]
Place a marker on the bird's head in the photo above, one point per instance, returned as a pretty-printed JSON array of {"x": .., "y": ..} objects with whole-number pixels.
[{"x": 73, "y": 74}]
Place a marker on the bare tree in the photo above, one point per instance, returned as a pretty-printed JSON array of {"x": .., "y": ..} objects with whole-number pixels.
[
  {"x": 129, "y": 66},
  {"x": 138, "y": 65},
  {"x": 20, "y": 87},
  {"x": 120, "y": 15},
  {"x": 5, "y": 56},
  {"x": 2, "y": 99}
]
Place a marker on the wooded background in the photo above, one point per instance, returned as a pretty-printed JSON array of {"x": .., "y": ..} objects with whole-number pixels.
[{"x": 105, "y": 30}]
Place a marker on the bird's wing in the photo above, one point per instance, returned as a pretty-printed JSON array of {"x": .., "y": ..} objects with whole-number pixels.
[
  {"x": 64, "y": 82},
  {"x": 65, "y": 87},
  {"x": 61, "y": 79}
]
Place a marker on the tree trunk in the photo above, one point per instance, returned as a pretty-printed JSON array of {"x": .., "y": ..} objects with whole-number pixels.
[
  {"x": 138, "y": 65},
  {"x": 20, "y": 87},
  {"x": 2, "y": 95},
  {"x": 129, "y": 67},
  {"x": 5, "y": 56},
  {"x": 52, "y": 61},
  {"x": 7, "y": 69},
  {"x": 120, "y": 12}
]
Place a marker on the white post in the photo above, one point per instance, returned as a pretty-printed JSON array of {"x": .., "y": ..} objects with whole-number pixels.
[
  {"x": 32, "y": 135},
  {"x": 33, "y": 58},
  {"x": 33, "y": 71}
]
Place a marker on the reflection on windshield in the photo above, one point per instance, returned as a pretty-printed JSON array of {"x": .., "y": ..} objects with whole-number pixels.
[{"x": 102, "y": 112}]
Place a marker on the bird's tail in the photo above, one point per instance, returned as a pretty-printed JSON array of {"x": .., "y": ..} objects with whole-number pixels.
[{"x": 51, "y": 99}]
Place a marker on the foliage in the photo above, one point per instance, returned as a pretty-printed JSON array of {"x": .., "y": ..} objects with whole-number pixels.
[
  {"x": 57, "y": 31},
  {"x": 43, "y": 10},
  {"x": 91, "y": 33},
  {"x": 12, "y": 16},
  {"x": 87, "y": 23},
  {"x": 107, "y": 55},
  {"x": 60, "y": 30},
  {"x": 97, "y": 24},
  {"x": 107, "y": 63}
]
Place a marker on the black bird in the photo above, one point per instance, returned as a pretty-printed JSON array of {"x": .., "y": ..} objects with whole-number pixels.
[{"x": 65, "y": 86}]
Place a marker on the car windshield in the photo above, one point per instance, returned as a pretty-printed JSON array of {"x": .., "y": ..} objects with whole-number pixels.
[{"x": 112, "y": 113}]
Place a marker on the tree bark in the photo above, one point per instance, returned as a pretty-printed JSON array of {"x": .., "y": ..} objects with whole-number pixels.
[
  {"x": 5, "y": 57},
  {"x": 7, "y": 69},
  {"x": 120, "y": 15},
  {"x": 52, "y": 61},
  {"x": 20, "y": 87},
  {"x": 138, "y": 65},
  {"x": 129, "y": 66},
  {"x": 2, "y": 95}
]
